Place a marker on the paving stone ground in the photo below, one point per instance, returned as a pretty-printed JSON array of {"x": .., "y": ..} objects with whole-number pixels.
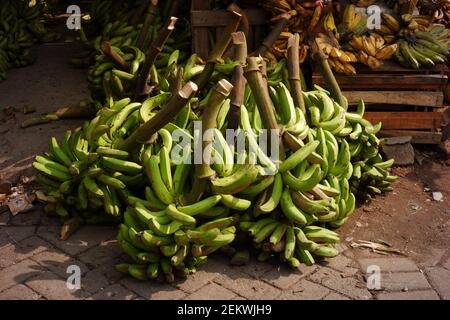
[{"x": 34, "y": 262}]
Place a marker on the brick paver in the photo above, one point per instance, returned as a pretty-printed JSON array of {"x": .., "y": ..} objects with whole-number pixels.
[
  {"x": 335, "y": 296},
  {"x": 284, "y": 277},
  {"x": 342, "y": 264},
  {"x": 409, "y": 295},
  {"x": 153, "y": 290},
  {"x": 33, "y": 266},
  {"x": 94, "y": 280},
  {"x": 19, "y": 292},
  {"x": 440, "y": 279},
  {"x": 22, "y": 250},
  {"x": 304, "y": 290},
  {"x": 404, "y": 281},
  {"x": 196, "y": 281},
  {"x": 247, "y": 287},
  {"x": 349, "y": 286},
  {"x": 58, "y": 262},
  {"x": 390, "y": 264},
  {"x": 446, "y": 264},
  {"x": 12, "y": 235},
  {"x": 212, "y": 291},
  {"x": 114, "y": 292},
  {"x": 18, "y": 273},
  {"x": 101, "y": 254},
  {"x": 53, "y": 287},
  {"x": 85, "y": 238}
]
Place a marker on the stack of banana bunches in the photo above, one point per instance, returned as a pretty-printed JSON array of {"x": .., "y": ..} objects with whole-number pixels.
[
  {"x": 173, "y": 214},
  {"x": 20, "y": 28},
  {"x": 122, "y": 30},
  {"x": 413, "y": 41}
]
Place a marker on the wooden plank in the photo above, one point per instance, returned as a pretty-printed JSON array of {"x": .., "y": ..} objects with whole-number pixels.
[
  {"x": 390, "y": 66},
  {"x": 200, "y": 43},
  {"x": 407, "y": 120},
  {"x": 414, "y": 98},
  {"x": 385, "y": 81},
  {"x": 418, "y": 137},
  {"x": 220, "y": 18}
]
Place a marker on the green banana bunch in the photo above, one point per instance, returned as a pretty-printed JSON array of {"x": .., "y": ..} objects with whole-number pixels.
[
  {"x": 20, "y": 29},
  {"x": 173, "y": 215},
  {"x": 119, "y": 25},
  {"x": 424, "y": 48}
]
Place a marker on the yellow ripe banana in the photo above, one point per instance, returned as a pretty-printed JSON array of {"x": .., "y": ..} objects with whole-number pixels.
[
  {"x": 315, "y": 18},
  {"x": 386, "y": 52},
  {"x": 339, "y": 66},
  {"x": 369, "y": 47},
  {"x": 389, "y": 39},
  {"x": 385, "y": 30},
  {"x": 335, "y": 52},
  {"x": 326, "y": 48},
  {"x": 379, "y": 40},
  {"x": 344, "y": 58},
  {"x": 374, "y": 63},
  {"x": 348, "y": 68},
  {"x": 355, "y": 21},
  {"x": 356, "y": 42},
  {"x": 363, "y": 57},
  {"x": 349, "y": 16},
  {"x": 352, "y": 56},
  {"x": 328, "y": 23},
  {"x": 391, "y": 22}
]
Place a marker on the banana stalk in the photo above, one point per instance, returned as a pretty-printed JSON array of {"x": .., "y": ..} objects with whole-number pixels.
[
  {"x": 273, "y": 35},
  {"x": 155, "y": 49},
  {"x": 237, "y": 80},
  {"x": 170, "y": 110},
  {"x": 293, "y": 65}
]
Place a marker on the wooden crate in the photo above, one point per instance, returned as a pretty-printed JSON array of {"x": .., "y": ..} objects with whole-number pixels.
[
  {"x": 408, "y": 102},
  {"x": 204, "y": 19}
]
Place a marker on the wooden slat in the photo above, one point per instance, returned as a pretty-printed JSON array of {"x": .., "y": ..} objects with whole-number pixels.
[
  {"x": 200, "y": 43},
  {"x": 413, "y": 98},
  {"x": 385, "y": 81},
  {"x": 407, "y": 120},
  {"x": 220, "y": 18},
  {"x": 419, "y": 137},
  {"x": 390, "y": 67}
]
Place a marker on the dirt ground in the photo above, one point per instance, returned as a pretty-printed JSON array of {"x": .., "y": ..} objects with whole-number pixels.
[
  {"x": 46, "y": 85},
  {"x": 408, "y": 219}
]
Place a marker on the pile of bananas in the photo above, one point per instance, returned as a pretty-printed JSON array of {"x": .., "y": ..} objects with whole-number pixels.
[
  {"x": 305, "y": 17},
  {"x": 339, "y": 60},
  {"x": 175, "y": 214},
  {"x": 371, "y": 50},
  {"x": 424, "y": 48},
  {"x": 118, "y": 34},
  {"x": 352, "y": 22},
  {"x": 20, "y": 28},
  {"x": 121, "y": 28}
]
